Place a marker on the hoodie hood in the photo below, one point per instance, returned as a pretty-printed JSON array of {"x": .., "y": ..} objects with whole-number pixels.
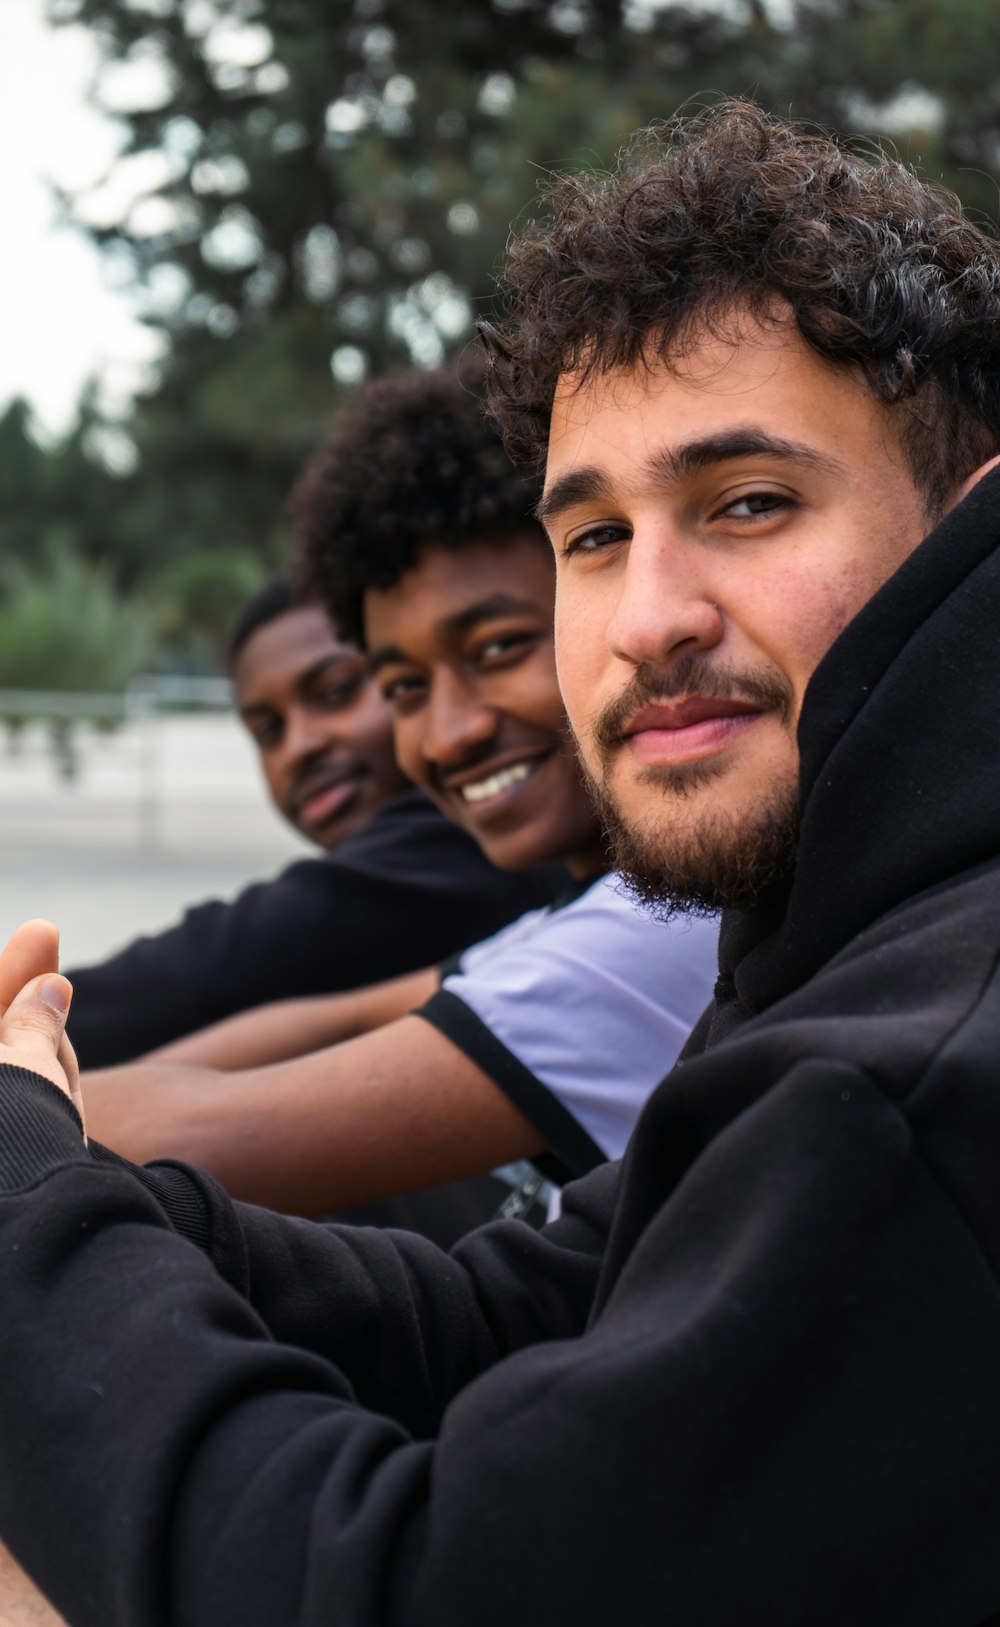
[{"x": 900, "y": 763}]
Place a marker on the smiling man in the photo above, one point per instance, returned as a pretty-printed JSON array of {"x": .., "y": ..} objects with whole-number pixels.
[
  {"x": 322, "y": 730},
  {"x": 448, "y": 642},
  {"x": 750, "y": 1375}
]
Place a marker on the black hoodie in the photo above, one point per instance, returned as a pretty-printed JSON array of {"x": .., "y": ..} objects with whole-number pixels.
[{"x": 752, "y": 1376}]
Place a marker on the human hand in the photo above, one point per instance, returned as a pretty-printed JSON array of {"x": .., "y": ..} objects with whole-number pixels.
[
  {"x": 34, "y": 1001},
  {"x": 21, "y": 1604}
]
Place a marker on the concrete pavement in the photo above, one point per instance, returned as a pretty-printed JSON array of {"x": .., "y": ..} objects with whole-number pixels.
[{"x": 163, "y": 814}]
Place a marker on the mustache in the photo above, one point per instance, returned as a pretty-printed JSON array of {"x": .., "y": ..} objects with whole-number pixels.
[{"x": 691, "y": 677}]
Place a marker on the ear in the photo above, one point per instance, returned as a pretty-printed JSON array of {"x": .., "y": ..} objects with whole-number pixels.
[{"x": 973, "y": 480}]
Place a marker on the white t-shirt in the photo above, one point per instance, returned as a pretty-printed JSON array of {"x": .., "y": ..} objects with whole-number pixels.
[{"x": 577, "y": 1012}]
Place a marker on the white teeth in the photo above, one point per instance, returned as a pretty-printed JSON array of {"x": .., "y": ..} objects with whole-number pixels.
[{"x": 481, "y": 789}]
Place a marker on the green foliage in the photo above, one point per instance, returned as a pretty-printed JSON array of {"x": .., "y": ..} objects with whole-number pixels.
[
  {"x": 197, "y": 599},
  {"x": 64, "y": 627},
  {"x": 62, "y": 498}
]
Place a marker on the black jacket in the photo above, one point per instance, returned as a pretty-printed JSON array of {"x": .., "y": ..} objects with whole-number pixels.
[
  {"x": 407, "y": 890},
  {"x": 752, "y": 1376}
]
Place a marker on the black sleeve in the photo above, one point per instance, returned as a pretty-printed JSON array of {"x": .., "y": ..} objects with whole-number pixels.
[
  {"x": 171, "y": 1320},
  {"x": 390, "y": 1308},
  {"x": 778, "y": 1406},
  {"x": 406, "y": 891}
]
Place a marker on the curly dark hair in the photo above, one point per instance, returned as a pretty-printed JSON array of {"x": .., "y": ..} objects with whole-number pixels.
[
  {"x": 733, "y": 208},
  {"x": 413, "y": 460}
]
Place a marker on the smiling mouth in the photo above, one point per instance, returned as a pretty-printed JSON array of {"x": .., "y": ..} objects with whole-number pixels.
[{"x": 495, "y": 784}]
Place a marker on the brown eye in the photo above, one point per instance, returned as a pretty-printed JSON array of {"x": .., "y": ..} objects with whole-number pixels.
[
  {"x": 400, "y": 691},
  {"x": 342, "y": 693},
  {"x": 756, "y": 503},
  {"x": 601, "y": 536},
  {"x": 267, "y": 732},
  {"x": 504, "y": 644}
]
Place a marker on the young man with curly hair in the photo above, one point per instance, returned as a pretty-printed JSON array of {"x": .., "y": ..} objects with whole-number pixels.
[{"x": 750, "y": 1375}]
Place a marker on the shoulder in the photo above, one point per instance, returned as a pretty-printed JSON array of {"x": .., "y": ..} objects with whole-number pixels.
[
  {"x": 604, "y": 921},
  {"x": 600, "y": 946}
]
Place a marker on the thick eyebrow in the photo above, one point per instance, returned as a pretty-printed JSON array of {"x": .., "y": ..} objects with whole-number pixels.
[
  {"x": 587, "y": 485},
  {"x": 451, "y": 627},
  {"x": 592, "y": 484},
  {"x": 675, "y": 463}
]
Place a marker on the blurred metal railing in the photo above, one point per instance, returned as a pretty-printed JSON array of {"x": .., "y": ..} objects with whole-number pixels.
[{"x": 147, "y": 697}]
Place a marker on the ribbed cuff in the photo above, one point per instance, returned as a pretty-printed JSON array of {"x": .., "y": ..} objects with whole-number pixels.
[
  {"x": 40, "y": 1129},
  {"x": 176, "y": 1189}
]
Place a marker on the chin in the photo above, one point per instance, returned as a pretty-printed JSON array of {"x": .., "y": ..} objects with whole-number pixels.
[
  {"x": 507, "y": 855},
  {"x": 518, "y": 850},
  {"x": 326, "y": 839},
  {"x": 331, "y": 836},
  {"x": 704, "y": 860}
]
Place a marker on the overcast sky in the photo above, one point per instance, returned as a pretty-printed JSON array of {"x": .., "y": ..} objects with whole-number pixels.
[{"x": 58, "y": 323}]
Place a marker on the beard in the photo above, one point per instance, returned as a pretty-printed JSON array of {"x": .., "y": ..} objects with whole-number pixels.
[{"x": 677, "y": 858}]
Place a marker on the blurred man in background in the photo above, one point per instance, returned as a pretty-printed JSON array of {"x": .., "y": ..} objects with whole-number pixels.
[{"x": 319, "y": 724}]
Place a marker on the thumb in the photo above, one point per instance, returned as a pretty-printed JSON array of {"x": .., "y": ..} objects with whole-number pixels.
[{"x": 32, "y": 1029}]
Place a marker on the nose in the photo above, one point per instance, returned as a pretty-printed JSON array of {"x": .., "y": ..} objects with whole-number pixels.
[
  {"x": 458, "y": 725},
  {"x": 664, "y": 607},
  {"x": 306, "y": 733}
]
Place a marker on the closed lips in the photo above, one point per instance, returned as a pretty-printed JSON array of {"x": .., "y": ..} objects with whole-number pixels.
[{"x": 688, "y": 713}]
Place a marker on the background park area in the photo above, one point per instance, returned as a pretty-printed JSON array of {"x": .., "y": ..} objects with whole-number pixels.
[{"x": 157, "y": 816}]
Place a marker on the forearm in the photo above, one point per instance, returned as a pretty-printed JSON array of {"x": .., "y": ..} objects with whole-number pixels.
[
  {"x": 286, "y": 1029},
  {"x": 392, "y": 1111},
  {"x": 21, "y": 1603}
]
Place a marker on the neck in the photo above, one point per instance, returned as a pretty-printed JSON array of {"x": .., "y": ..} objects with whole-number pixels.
[{"x": 587, "y": 863}]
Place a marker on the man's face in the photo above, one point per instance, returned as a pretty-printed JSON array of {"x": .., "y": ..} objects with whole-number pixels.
[
  {"x": 461, "y": 648},
  {"x": 323, "y": 731},
  {"x": 714, "y": 529}
]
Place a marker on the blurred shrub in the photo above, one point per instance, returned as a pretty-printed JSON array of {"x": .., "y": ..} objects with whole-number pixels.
[
  {"x": 63, "y": 626},
  {"x": 198, "y": 599}
]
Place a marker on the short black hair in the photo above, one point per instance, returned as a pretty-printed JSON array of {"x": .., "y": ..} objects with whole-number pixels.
[
  {"x": 413, "y": 460},
  {"x": 276, "y": 598},
  {"x": 736, "y": 208}
]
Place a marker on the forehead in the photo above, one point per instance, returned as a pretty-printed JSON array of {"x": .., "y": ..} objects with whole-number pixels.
[
  {"x": 447, "y": 591},
  {"x": 282, "y": 650},
  {"x": 753, "y": 375}
]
